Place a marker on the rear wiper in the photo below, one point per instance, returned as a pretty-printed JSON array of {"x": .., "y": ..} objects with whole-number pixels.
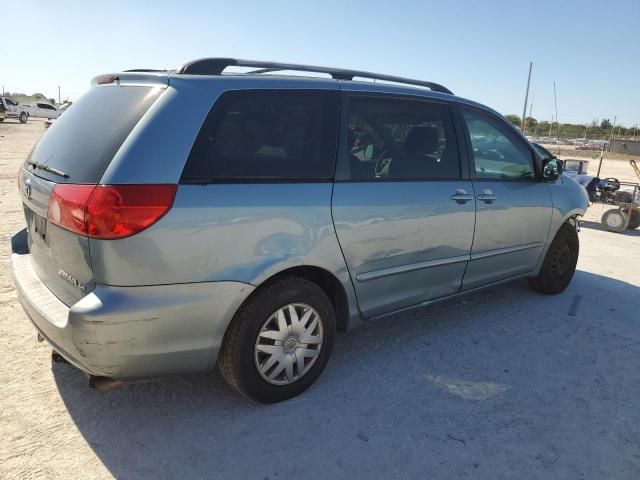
[{"x": 47, "y": 168}]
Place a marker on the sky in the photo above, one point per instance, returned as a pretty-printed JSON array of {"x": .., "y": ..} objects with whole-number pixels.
[{"x": 479, "y": 49}]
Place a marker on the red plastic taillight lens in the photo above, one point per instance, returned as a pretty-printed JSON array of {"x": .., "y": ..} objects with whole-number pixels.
[
  {"x": 106, "y": 79},
  {"x": 67, "y": 206},
  {"x": 109, "y": 211}
]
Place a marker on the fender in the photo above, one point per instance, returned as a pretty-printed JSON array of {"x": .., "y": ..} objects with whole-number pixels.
[{"x": 569, "y": 200}]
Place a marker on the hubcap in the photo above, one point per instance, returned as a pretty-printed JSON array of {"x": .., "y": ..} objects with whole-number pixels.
[
  {"x": 288, "y": 343},
  {"x": 615, "y": 220}
]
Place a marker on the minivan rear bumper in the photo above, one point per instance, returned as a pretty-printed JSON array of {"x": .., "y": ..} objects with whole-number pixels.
[{"x": 132, "y": 332}]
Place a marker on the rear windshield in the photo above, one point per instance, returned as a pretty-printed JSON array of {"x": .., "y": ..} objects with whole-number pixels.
[{"x": 82, "y": 142}]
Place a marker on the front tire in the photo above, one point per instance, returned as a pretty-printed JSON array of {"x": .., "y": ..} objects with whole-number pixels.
[
  {"x": 23, "y": 117},
  {"x": 279, "y": 341},
  {"x": 560, "y": 263}
]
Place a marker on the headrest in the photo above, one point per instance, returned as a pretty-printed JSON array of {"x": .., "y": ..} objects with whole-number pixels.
[{"x": 422, "y": 140}]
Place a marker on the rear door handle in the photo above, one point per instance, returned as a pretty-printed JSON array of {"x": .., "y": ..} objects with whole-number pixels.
[
  {"x": 461, "y": 196},
  {"x": 487, "y": 196}
]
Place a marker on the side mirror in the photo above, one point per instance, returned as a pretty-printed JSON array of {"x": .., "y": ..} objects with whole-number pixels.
[
  {"x": 551, "y": 169},
  {"x": 368, "y": 152}
]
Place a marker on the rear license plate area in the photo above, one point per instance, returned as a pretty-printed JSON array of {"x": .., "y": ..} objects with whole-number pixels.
[{"x": 38, "y": 227}]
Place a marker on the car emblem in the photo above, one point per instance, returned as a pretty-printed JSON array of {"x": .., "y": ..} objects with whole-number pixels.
[
  {"x": 72, "y": 280},
  {"x": 27, "y": 188}
]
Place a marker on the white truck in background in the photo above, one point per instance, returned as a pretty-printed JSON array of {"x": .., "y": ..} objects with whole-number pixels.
[{"x": 14, "y": 110}]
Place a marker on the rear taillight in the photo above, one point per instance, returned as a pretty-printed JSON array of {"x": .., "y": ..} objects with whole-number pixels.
[
  {"x": 67, "y": 206},
  {"x": 109, "y": 211}
]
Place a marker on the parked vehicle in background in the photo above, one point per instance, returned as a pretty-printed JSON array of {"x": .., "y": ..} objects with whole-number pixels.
[
  {"x": 14, "y": 110},
  {"x": 276, "y": 212},
  {"x": 42, "y": 110},
  {"x": 63, "y": 106},
  {"x": 3, "y": 111},
  {"x": 594, "y": 145}
]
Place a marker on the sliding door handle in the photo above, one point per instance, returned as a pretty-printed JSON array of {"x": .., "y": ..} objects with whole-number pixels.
[
  {"x": 487, "y": 196},
  {"x": 461, "y": 196}
]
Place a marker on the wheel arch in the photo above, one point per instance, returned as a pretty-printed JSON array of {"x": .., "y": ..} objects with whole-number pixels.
[
  {"x": 556, "y": 223},
  {"x": 327, "y": 281}
]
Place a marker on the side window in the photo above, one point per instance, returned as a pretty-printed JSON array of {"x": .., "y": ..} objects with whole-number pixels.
[
  {"x": 401, "y": 139},
  {"x": 267, "y": 134},
  {"x": 10, "y": 102},
  {"x": 496, "y": 152}
]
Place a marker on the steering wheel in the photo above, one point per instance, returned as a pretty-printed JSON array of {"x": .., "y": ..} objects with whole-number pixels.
[{"x": 382, "y": 163}]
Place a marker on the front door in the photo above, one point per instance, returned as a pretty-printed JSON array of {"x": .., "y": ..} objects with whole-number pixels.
[
  {"x": 403, "y": 211},
  {"x": 513, "y": 205}
]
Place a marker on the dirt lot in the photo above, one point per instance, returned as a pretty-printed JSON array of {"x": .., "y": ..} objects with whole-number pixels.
[{"x": 502, "y": 384}]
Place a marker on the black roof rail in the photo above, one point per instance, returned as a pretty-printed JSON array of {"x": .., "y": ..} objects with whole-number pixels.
[{"x": 215, "y": 66}]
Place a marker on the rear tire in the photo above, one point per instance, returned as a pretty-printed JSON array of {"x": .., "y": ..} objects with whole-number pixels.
[
  {"x": 634, "y": 220},
  {"x": 23, "y": 117},
  {"x": 615, "y": 220},
  {"x": 269, "y": 354},
  {"x": 560, "y": 263}
]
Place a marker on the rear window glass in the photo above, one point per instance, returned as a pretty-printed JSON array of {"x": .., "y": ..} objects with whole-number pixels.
[
  {"x": 267, "y": 134},
  {"x": 82, "y": 142}
]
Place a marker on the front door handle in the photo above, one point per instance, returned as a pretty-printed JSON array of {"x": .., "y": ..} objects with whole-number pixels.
[
  {"x": 461, "y": 196},
  {"x": 487, "y": 196}
]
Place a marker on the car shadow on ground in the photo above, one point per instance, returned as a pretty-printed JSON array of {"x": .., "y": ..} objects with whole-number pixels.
[
  {"x": 502, "y": 381},
  {"x": 599, "y": 226}
]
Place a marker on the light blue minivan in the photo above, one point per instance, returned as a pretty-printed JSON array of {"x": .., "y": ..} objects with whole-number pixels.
[{"x": 236, "y": 213}]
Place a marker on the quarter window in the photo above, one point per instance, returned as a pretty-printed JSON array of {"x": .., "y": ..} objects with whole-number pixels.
[
  {"x": 497, "y": 153},
  {"x": 401, "y": 139},
  {"x": 267, "y": 134}
]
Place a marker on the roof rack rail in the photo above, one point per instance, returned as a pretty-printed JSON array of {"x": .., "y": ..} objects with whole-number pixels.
[
  {"x": 215, "y": 66},
  {"x": 146, "y": 70}
]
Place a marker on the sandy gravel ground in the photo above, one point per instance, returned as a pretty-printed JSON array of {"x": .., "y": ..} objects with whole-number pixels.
[{"x": 502, "y": 384}]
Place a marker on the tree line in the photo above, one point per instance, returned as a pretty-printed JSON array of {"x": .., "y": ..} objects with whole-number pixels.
[
  {"x": 21, "y": 97},
  {"x": 595, "y": 130}
]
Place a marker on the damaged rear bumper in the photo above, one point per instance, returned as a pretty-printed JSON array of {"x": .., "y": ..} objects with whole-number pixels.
[{"x": 132, "y": 332}]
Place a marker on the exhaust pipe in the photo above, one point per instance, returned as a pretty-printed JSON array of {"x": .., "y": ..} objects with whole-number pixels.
[{"x": 104, "y": 384}]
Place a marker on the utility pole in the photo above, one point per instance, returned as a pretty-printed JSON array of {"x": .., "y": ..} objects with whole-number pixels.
[
  {"x": 550, "y": 126},
  {"x": 531, "y": 106},
  {"x": 613, "y": 127},
  {"x": 59, "y": 95},
  {"x": 523, "y": 127},
  {"x": 555, "y": 103}
]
